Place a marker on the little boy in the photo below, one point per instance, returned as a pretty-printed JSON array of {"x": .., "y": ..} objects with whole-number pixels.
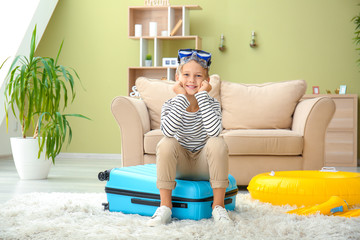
[{"x": 191, "y": 148}]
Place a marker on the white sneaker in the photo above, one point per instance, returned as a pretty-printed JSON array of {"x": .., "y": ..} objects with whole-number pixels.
[
  {"x": 220, "y": 214},
  {"x": 162, "y": 215}
]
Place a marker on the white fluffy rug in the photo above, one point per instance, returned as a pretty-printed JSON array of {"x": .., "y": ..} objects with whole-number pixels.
[{"x": 81, "y": 216}]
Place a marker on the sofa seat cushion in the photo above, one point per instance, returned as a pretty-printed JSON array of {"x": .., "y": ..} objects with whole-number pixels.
[
  {"x": 246, "y": 142},
  {"x": 263, "y": 142},
  {"x": 260, "y": 106}
]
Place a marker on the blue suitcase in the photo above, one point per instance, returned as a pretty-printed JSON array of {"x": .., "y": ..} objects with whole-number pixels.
[{"x": 132, "y": 190}]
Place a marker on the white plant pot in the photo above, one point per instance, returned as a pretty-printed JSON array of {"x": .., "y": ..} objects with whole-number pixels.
[
  {"x": 25, "y": 154},
  {"x": 148, "y": 63}
]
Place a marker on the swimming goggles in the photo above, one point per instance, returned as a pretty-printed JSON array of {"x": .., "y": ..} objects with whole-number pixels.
[{"x": 200, "y": 56}]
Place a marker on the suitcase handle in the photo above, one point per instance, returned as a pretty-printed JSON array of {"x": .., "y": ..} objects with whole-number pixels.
[
  {"x": 157, "y": 203},
  {"x": 228, "y": 201}
]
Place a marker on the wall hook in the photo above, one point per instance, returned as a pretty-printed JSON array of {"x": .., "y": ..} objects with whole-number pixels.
[
  {"x": 221, "y": 45},
  {"x": 252, "y": 42}
]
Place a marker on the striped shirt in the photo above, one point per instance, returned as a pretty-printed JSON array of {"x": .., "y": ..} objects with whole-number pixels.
[{"x": 191, "y": 129}]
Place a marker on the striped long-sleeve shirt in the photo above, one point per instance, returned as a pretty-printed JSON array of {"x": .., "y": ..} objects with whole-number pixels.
[{"x": 191, "y": 129}]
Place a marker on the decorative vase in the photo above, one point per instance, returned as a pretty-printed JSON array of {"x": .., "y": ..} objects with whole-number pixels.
[
  {"x": 152, "y": 29},
  {"x": 25, "y": 154},
  {"x": 138, "y": 30}
]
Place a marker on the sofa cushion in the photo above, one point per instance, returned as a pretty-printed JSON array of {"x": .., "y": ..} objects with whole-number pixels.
[
  {"x": 260, "y": 106},
  {"x": 246, "y": 142},
  {"x": 155, "y": 92},
  {"x": 263, "y": 142}
]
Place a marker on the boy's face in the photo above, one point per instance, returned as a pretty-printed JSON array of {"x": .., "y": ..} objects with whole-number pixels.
[{"x": 191, "y": 77}]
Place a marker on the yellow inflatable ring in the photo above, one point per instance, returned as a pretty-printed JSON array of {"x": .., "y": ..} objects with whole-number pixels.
[{"x": 305, "y": 188}]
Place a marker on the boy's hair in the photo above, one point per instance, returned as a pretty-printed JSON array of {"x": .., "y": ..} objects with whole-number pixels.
[{"x": 181, "y": 65}]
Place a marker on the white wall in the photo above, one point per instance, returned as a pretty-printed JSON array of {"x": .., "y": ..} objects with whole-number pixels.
[{"x": 17, "y": 21}]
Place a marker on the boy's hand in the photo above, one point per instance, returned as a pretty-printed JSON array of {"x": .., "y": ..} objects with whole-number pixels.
[
  {"x": 178, "y": 88},
  {"x": 205, "y": 86}
]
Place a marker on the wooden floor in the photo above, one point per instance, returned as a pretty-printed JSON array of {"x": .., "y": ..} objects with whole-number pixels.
[{"x": 68, "y": 175}]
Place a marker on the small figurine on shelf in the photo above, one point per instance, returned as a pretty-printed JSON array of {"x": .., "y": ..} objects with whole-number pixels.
[{"x": 148, "y": 60}]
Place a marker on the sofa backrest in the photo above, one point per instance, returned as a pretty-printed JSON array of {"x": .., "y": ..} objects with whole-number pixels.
[
  {"x": 244, "y": 106},
  {"x": 260, "y": 106}
]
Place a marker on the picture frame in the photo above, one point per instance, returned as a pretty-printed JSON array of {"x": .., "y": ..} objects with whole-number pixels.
[
  {"x": 316, "y": 90},
  {"x": 169, "y": 62},
  {"x": 342, "y": 89}
]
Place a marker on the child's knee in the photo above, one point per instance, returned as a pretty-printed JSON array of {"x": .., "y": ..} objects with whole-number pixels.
[
  {"x": 217, "y": 144},
  {"x": 167, "y": 143}
]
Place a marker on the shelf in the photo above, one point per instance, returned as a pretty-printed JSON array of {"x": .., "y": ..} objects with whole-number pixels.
[
  {"x": 152, "y": 8},
  {"x": 168, "y": 37},
  {"x": 346, "y": 96},
  {"x": 172, "y": 19},
  {"x": 165, "y": 16},
  {"x": 197, "y": 39},
  {"x": 157, "y": 54},
  {"x": 152, "y": 68}
]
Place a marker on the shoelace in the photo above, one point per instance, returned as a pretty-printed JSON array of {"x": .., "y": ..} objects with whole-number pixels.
[{"x": 222, "y": 212}]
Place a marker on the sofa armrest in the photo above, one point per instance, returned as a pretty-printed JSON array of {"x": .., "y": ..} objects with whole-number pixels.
[
  {"x": 311, "y": 119},
  {"x": 133, "y": 118}
]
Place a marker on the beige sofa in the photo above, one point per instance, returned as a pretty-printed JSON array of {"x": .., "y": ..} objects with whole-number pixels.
[{"x": 266, "y": 126}]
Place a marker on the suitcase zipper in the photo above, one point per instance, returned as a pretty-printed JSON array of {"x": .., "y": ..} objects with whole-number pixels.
[
  {"x": 174, "y": 204},
  {"x": 157, "y": 203}
]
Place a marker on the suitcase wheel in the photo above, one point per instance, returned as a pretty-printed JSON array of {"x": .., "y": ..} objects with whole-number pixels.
[
  {"x": 104, "y": 176},
  {"x": 106, "y": 206}
]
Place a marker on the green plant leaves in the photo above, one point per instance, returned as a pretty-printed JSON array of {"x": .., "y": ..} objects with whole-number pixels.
[
  {"x": 3, "y": 63},
  {"x": 34, "y": 92},
  {"x": 32, "y": 45},
  {"x": 356, "y": 20},
  {"x": 54, "y": 132}
]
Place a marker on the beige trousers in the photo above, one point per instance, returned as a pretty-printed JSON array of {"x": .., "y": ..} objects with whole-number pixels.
[{"x": 174, "y": 161}]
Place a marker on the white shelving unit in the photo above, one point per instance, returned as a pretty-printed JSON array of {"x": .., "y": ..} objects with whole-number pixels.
[{"x": 167, "y": 17}]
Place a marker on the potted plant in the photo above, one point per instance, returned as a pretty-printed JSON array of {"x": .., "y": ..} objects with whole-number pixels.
[
  {"x": 3, "y": 63},
  {"x": 37, "y": 92},
  {"x": 148, "y": 62}
]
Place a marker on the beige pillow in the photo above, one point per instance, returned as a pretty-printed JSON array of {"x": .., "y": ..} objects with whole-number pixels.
[
  {"x": 260, "y": 106},
  {"x": 155, "y": 92}
]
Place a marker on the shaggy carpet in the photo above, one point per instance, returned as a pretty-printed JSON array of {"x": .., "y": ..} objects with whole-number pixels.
[{"x": 81, "y": 216}]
